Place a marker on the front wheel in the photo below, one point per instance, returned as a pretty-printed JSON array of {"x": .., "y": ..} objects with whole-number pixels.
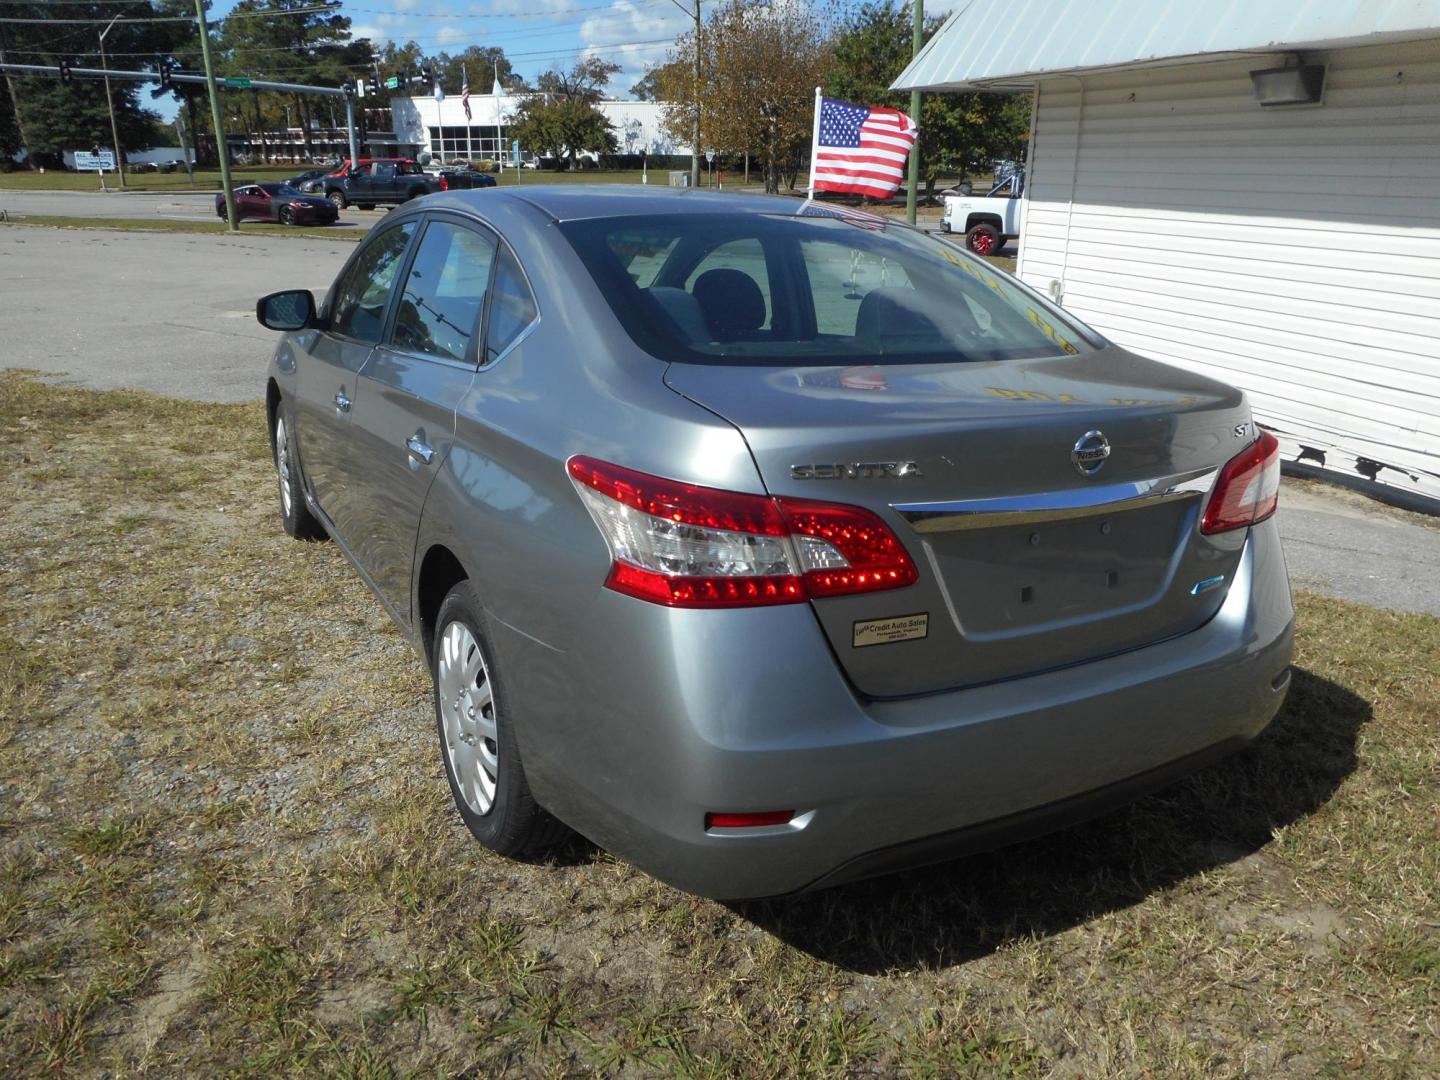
[
  {"x": 295, "y": 516},
  {"x": 287, "y": 216},
  {"x": 338, "y": 198},
  {"x": 477, "y": 740},
  {"x": 983, "y": 239}
]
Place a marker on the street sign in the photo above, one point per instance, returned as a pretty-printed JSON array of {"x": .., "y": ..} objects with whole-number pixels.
[
  {"x": 104, "y": 161},
  {"x": 234, "y": 83},
  {"x": 392, "y": 83},
  {"x": 709, "y": 155},
  {"x": 515, "y": 150}
]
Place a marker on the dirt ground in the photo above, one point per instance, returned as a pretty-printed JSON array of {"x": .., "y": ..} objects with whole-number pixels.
[{"x": 226, "y": 845}]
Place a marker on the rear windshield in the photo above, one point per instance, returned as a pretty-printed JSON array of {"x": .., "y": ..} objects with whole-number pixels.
[{"x": 814, "y": 288}]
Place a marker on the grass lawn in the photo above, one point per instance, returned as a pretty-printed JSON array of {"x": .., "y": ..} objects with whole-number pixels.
[{"x": 226, "y": 845}]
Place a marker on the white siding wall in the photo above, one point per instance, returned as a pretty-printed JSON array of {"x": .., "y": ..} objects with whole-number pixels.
[{"x": 1291, "y": 251}]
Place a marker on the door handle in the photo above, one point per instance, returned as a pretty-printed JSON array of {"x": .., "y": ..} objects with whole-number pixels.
[
  {"x": 419, "y": 449},
  {"x": 342, "y": 403}
]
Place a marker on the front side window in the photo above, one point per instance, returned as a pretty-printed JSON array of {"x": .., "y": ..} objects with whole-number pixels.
[
  {"x": 512, "y": 308},
  {"x": 812, "y": 288},
  {"x": 444, "y": 292},
  {"x": 364, "y": 291}
]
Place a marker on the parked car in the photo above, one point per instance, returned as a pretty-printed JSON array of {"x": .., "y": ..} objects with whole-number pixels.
[
  {"x": 464, "y": 179},
  {"x": 278, "y": 202},
  {"x": 772, "y": 547},
  {"x": 990, "y": 221},
  {"x": 377, "y": 181},
  {"x": 300, "y": 180}
]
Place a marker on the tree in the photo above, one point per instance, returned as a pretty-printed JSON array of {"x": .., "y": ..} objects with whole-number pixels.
[
  {"x": 649, "y": 86},
  {"x": 559, "y": 117},
  {"x": 296, "y": 45},
  {"x": 481, "y": 63},
  {"x": 46, "y": 117},
  {"x": 957, "y": 130},
  {"x": 758, "y": 64}
]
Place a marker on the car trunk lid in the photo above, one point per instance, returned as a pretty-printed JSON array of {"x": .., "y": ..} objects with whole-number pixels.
[{"x": 1028, "y": 561}]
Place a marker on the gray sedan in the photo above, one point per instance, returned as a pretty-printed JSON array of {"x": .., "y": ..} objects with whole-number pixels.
[{"x": 772, "y": 546}]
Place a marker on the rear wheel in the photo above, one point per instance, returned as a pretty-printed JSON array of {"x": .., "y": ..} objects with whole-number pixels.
[
  {"x": 221, "y": 212},
  {"x": 295, "y": 516},
  {"x": 338, "y": 198},
  {"x": 477, "y": 741},
  {"x": 415, "y": 193},
  {"x": 365, "y": 205},
  {"x": 983, "y": 239},
  {"x": 287, "y": 216}
]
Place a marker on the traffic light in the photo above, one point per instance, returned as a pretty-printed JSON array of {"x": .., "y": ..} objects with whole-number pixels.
[
  {"x": 165, "y": 69},
  {"x": 65, "y": 75},
  {"x": 427, "y": 74}
]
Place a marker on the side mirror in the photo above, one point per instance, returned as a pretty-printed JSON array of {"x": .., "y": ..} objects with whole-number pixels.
[{"x": 293, "y": 309}]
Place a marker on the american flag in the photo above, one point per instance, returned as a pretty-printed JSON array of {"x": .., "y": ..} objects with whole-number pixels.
[
  {"x": 861, "y": 151},
  {"x": 465, "y": 90}
]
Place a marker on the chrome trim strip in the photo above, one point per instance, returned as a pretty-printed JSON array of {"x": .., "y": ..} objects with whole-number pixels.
[{"x": 934, "y": 517}]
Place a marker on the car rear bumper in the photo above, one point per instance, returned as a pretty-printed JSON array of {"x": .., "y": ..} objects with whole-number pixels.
[{"x": 750, "y": 713}]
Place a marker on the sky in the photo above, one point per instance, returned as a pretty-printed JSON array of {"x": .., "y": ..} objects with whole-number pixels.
[{"x": 536, "y": 34}]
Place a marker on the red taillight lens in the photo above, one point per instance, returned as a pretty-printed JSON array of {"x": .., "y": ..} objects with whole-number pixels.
[
  {"x": 444, "y": 183},
  {"x": 689, "y": 546},
  {"x": 1248, "y": 488}
]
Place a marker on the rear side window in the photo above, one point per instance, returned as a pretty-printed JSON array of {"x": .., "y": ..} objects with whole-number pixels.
[
  {"x": 444, "y": 292},
  {"x": 364, "y": 291},
  {"x": 512, "y": 309}
]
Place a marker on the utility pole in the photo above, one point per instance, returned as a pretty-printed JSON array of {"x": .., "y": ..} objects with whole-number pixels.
[
  {"x": 110, "y": 104},
  {"x": 15, "y": 101},
  {"x": 695, "y": 129},
  {"x": 221, "y": 150},
  {"x": 916, "y": 40}
]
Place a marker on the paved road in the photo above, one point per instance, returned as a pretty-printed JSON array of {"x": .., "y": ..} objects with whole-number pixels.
[
  {"x": 169, "y": 205},
  {"x": 174, "y": 313},
  {"x": 168, "y": 312}
]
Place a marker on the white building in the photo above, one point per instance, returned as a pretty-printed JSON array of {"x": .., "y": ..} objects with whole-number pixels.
[
  {"x": 1290, "y": 248},
  {"x": 423, "y": 123}
]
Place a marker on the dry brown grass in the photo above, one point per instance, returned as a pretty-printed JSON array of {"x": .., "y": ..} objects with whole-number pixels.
[{"x": 225, "y": 845}]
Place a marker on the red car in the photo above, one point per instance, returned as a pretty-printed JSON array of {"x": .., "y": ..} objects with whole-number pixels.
[{"x": 278, "y": 202}]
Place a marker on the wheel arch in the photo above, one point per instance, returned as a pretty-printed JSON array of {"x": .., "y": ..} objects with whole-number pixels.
[
  {"x": 993, "y": 220},
  {"x": 440, "y": 571}
]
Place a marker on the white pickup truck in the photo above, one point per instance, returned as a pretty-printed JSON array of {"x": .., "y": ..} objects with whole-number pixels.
[{"x": 988, "y": 221}]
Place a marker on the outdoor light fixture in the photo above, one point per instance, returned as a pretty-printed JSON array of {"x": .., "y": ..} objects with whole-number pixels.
[{"x": 1297, "y": 84}]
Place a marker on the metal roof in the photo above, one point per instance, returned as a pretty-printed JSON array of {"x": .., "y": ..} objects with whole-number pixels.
[{"x": 1012, "y": 44}]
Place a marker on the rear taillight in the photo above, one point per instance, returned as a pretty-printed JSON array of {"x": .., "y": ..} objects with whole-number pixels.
[
  {"x": 683, "y": 545},
  {"x": 1248, "y": 488},
  {"x": 444, "y": 184}
]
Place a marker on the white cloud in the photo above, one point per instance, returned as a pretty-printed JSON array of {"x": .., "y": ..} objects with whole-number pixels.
[{"x": 616, "y": 35}]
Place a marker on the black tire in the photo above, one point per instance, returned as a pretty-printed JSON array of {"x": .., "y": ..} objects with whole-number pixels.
[
  {"x": 965, "y": 187},
  {"x": 365, "y": 205},
  {"x": 984, "y": 239},
  {"x": 287, "y": 216},
  {"x": 514, "y": 823},
  {"x": 221, "y": 212},
  {"x": 295, "y": 516},
  {"x": 415, "y": 193},
  {"x": 338, "y": 198}
]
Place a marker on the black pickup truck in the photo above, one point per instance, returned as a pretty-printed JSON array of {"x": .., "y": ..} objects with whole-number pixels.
[{"x": 390, "y": 181}]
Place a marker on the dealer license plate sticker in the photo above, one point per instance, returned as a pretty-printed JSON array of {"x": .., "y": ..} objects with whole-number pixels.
[{"x": 885, "y": 631}]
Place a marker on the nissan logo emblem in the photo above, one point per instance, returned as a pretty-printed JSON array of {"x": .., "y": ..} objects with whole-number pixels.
[{"x": 1090, "y": 452}]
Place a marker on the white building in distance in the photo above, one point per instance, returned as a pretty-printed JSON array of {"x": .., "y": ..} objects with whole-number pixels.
[{"x": 441, "y": 128}]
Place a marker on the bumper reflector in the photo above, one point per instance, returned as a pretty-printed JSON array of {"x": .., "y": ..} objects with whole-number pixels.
[{"x": 749, "y": 821}]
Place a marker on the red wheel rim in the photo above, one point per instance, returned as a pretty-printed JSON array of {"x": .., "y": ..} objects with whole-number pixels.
[{"x": 982, "y": 243}]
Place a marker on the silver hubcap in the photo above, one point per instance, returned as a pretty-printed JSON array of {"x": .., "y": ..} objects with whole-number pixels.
[
  {"x": 467, "y": 711},
  {"x": 282, "y": 465}
]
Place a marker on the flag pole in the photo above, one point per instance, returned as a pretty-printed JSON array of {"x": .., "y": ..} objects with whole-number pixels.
[
  {"x": 916, "y": 40},
  {"x": 814, "y": 146},
  {"x": 465, "y": 93}
]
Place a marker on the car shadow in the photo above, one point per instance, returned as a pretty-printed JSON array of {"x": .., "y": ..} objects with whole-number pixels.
[{"x": 954, "y": 912}]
